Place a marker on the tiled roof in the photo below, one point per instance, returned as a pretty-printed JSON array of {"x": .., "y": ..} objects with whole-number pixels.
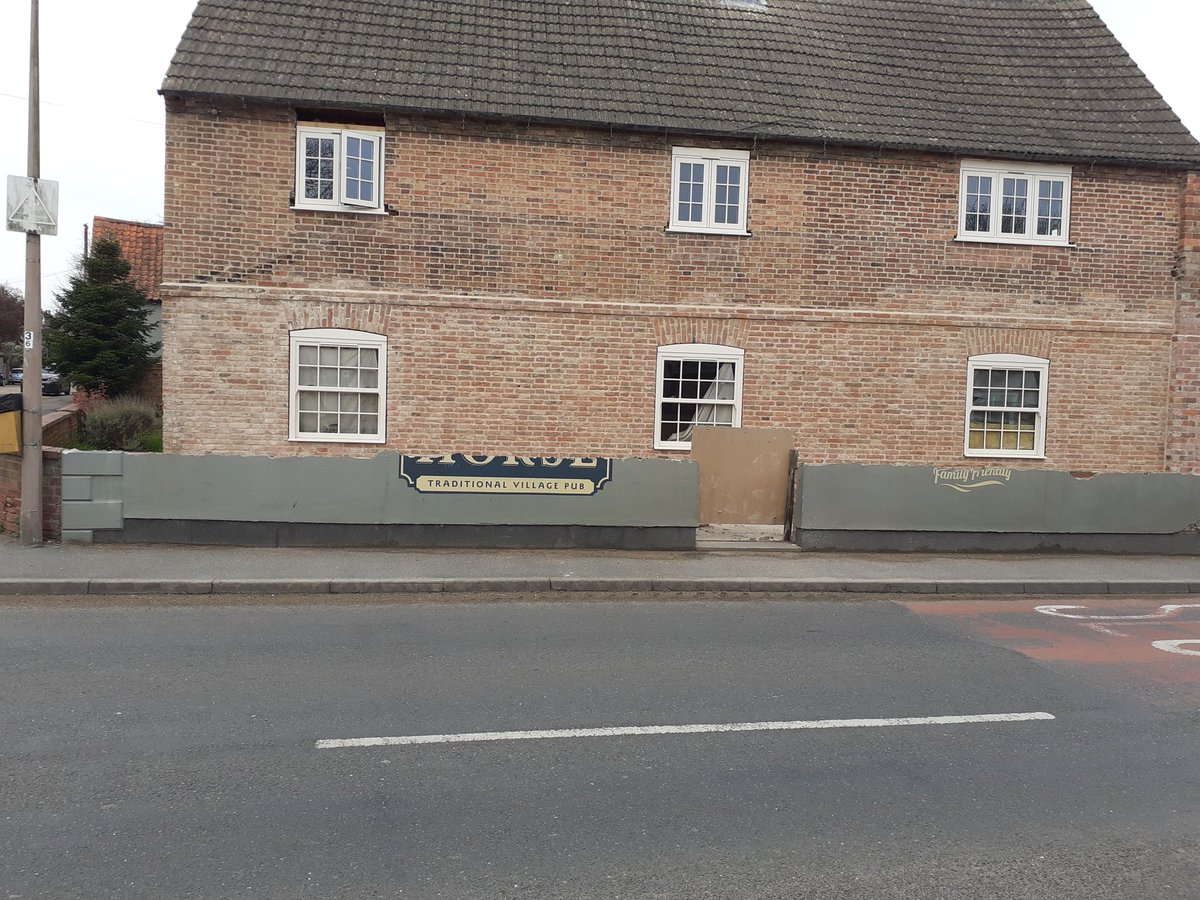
[
  {"x": 141, "y": 244},
  {"x": 1039, "y": 78}
]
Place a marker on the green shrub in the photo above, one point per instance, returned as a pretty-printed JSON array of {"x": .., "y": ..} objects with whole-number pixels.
[{"x": 121, "y": 423}]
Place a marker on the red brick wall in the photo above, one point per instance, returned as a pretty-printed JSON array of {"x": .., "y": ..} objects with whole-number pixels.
[
  {"x": 10, "y": 494},
  {"x": 526, "y": 281}
]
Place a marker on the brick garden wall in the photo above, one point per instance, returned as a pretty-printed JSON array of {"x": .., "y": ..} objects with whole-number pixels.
[
  {"x": 10, "y": 494},
  {"x": 526, "y": 282}
]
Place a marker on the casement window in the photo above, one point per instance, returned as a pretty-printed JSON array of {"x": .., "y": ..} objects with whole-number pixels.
[
  {"x": 339, "y": 169},
  {"x": 1017, "y": 204},
  {"x": 338, "y": 386},
  {"x": 1006, "y": 406},
  {"x": 708, "y": 190},
  {"x": 698, "y": 384}
]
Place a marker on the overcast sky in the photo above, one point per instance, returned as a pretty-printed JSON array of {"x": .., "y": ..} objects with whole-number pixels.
[{"x": 102, "y": 119}]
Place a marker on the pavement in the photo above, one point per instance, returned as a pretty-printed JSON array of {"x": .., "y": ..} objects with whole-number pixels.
[{"x": 715, "y": 566}]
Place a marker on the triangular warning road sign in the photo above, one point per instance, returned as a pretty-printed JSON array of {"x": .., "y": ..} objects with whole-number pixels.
[{"x": 32, "y": 205}]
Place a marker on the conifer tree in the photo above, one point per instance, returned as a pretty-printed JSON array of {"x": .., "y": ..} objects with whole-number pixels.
[{"x": 99, "y": 338}]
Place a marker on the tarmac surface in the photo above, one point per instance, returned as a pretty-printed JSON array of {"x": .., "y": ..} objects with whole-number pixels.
[{"x": 59, "y": 569}]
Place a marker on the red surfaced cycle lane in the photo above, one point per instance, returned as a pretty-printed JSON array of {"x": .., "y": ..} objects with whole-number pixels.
[{"x": 1147, "y": 644}]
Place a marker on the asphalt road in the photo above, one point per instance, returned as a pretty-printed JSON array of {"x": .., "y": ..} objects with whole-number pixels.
[
  {"x": 172, "y": 752},
  {"x": 49, "y": 404}
]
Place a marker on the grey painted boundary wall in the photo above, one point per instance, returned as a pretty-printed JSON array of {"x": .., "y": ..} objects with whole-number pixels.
[
  {"x": 350, "y": 502},
  {"x": 994, "y": 508}
]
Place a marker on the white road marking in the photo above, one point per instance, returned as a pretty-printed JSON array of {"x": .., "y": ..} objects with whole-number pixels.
[
  {"x": 1177, "y": 647},
  {"x": 1096, "y": 626},
  {"x": 631, "y": 730},
  {"x": 1163, "y": 612}
]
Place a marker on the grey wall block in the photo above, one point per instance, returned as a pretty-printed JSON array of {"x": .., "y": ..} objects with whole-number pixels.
[
  {"x": 92, "y": 462},
  {"x": 329, "y": 490},
  {"x": 998, "y": 499},
  {"x": 77, "y": 487},
  {"x": 80, "y": 515}
]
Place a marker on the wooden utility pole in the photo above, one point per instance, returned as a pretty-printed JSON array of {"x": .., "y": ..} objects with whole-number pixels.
[{"x": 31, "y": 382}]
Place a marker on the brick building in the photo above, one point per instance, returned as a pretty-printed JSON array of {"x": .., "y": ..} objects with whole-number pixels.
[{"x": 910, "y": 232}]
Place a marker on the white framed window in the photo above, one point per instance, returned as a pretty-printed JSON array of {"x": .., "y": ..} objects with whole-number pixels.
[
  {"x": 698, "y": 384},
  {"x": 1006, "y": 405},
  {"x": 339, "y": 169},
  {"x": 1014, "y": 204},
  {"x": 338, "y": 386},
  {"x": 708, "y": 190}
]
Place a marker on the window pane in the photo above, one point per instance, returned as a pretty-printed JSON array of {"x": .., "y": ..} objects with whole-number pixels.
[
  {"x": 348, "y": 378},
  {"x": 307, "y": 376},
  {"x": 691, "y": 192},
  {"x": 1014, "y": 201},
  {"x": 368, "y": 425},
  {"x": 308, "y": 401},
  {"x": 348, "y": 424},
  {"x": 308, "y": 423},
  {"x": 368, "y": 378},
  {"x": 369, "y": 403},
  {"x": 327, "y": 377},
  {"x": 978, "y": 203},
  {"x": 328, "y": 401},
  {"x": 727, "y": 197},
  {"x": 327, "y": 423}
]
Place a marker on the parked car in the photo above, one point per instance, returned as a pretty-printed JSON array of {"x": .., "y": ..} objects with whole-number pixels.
[
  {"x": 52, "y": 383},
  {"x": 15, "y": 376}
]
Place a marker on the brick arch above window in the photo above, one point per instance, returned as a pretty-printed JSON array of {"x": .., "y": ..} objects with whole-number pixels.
[{"x": 683, "y": 330}]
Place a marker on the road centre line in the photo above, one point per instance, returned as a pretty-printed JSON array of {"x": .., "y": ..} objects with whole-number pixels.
[{"x": 640, "y": 730}]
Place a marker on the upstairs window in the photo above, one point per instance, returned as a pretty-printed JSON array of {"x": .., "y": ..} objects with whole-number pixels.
[
  {"x": 338, "y": 385},
  {"x": 339, "y": 169},
  {"x": 708, "y": 190},
  {"x": 1006, "y": 406},
  {"x": 1006, "y": 204},
  {"x": 698, "y": 384}
]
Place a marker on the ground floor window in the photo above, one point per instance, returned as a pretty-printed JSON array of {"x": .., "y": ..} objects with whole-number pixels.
[
  {"x": 338, "y": 385},
  {"x": 698, "y": 384},
  {"x": 1006, "y": 405}
]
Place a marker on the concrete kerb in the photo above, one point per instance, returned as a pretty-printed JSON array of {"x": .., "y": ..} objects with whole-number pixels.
[{"x": 345, "y": 586}]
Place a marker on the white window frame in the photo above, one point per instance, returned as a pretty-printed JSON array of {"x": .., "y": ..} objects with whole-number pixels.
[
  {"x": 711, "y": 159},
  {"x": 699, "y": 353},
  {"x": 1009, "y": 361},
  {"x": 340, "y": 201},
  {"x": 1035, "y": 174},
  {"x": 336, "y": 337}
]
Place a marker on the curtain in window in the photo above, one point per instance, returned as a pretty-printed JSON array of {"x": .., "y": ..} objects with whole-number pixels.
[{"x": 711, "y": 413}]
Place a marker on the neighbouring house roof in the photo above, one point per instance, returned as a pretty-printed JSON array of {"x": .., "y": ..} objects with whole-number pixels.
[
  {"x": 1028, "y": 78},
  {"x": 141, "y": 244}
]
